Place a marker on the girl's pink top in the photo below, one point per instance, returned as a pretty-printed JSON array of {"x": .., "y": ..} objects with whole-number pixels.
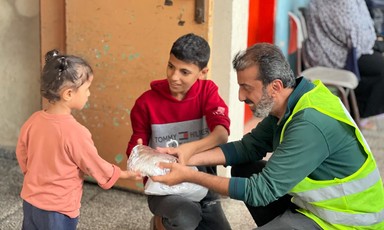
[{"x": 54, "y": 153}]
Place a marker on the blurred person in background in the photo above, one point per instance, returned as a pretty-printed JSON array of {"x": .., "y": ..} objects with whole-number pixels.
[{"x": 340, "y": 33}]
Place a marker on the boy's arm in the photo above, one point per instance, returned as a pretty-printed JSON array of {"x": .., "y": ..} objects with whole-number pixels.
[
  {"x": 141, "y": 127},
  {"x": 216, "y": 114},
  {"x": 214, "y": 156},
  {"x": 185, "y": 151}
]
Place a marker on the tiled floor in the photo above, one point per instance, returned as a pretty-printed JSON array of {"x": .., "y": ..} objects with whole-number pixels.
[{"x": 117, "y": 209}]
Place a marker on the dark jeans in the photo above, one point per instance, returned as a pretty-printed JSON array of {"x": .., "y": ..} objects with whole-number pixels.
[
  {"x": 279, "y": 214},
  {"x": 369, "y": 92},
  {"x": 180, "y": 213},
  {"x": 36, "y": 219}
]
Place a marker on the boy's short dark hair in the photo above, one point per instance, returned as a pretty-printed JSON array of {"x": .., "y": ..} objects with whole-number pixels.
[{"x": 193, "y": 49}]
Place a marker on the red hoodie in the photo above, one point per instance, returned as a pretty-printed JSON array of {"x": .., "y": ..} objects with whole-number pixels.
[{"x": 157, "y": 117}]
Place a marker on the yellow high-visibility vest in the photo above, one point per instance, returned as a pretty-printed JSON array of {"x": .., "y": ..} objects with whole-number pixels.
[{"x": 353, "y": 202}]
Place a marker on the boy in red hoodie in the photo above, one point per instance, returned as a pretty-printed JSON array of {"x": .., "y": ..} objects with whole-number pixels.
[{"x": 186, "y": 108}]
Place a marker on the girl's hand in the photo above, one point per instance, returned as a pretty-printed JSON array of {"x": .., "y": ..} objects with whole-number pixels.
[{"x": 130, "y": 175}]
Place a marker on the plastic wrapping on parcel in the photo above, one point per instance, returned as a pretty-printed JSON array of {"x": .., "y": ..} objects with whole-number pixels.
[{"x": 144, "y": 159}]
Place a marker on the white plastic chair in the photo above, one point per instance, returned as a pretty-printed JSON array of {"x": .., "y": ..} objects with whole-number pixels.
[{"x": 343, "y": 81}]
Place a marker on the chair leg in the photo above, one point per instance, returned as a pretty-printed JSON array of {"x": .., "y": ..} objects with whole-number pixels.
[
  {"x": 343, "y": 96},
  {"x": 355, "y": 108},
  {"x": 348, "y": 98}
]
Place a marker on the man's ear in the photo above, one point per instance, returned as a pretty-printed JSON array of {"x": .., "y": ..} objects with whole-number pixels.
[
  {"x": 66, "y": 95},
  {"x": 277, "y": 85},
  {"x": 203, "y": 73}
]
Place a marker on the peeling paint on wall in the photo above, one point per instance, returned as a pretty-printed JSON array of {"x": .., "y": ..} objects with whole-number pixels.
[
  {"x": 100, "y": 86},
  {"x": 128, "y": 47},
  {"x": 97, "y": 53},
  {"x": 106, "y": 48},
  {"x": 139, "y": 185},
  {"x": 133, "y": 56},
  {"x": 115, "y": 122},
  {"x": 87, "y": 105},
  {"x": 119, "y": 158}
]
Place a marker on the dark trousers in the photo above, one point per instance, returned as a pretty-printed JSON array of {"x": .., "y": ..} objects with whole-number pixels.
[
  {"x": 180, "y": 213},
  {"x": 262, "y": 214},
  {"x": 36, "y": 219},
  {"x": 278, "y": 215}
]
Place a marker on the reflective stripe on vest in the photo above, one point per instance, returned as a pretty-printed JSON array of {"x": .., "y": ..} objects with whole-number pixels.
[
  {"x": 359, "y": 219},
  {"x": 340, "y": 190}
]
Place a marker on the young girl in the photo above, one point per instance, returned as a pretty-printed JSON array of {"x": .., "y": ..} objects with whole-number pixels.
[{"x": 54, "y": 151}]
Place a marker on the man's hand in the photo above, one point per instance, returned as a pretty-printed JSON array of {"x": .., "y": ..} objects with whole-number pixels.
[
  {"x": 178, "y": 173},
  {"x": 181, "y": 173}
]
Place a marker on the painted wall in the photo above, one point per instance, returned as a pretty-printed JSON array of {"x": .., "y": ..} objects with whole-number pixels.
[
  {"x": 124, "y": 63},
  {"x": 19, "y": 67},
  {"x": 19, "y": 95}
]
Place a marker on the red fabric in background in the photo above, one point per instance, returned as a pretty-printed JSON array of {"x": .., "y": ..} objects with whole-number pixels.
[
  {"x": 261, "y": 28},
  {"x": 292, "y": 46}
]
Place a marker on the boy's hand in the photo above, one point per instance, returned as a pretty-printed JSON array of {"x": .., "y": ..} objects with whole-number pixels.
[
  {"x": 183, "y": 152},
  {"x": 130, "y": 175},
  {"x": 178, "y": 174}
]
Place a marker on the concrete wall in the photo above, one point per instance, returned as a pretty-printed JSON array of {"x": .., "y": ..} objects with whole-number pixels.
[
  {"x": 19, "y": 67},
  {"x": 230, "y": 26}
]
